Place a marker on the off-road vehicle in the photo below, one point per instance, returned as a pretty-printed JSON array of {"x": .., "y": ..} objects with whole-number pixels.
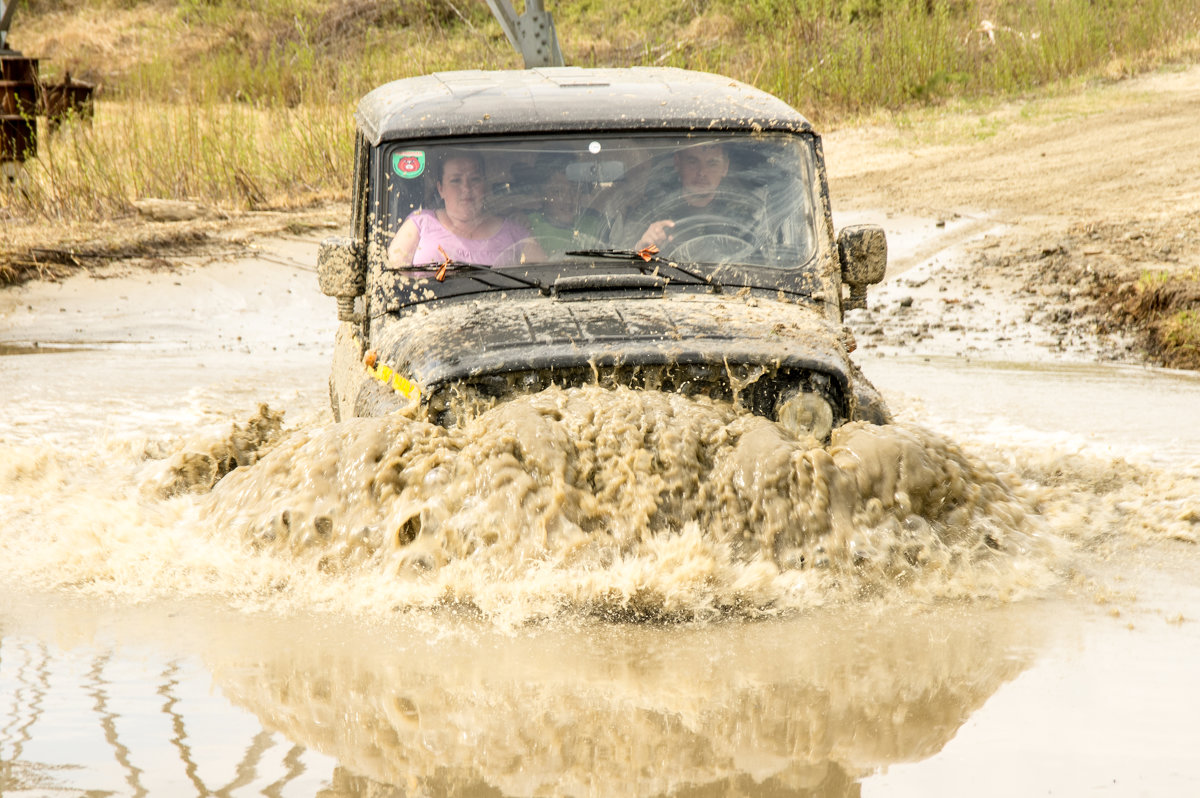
[{"x": 741, "y": 297}]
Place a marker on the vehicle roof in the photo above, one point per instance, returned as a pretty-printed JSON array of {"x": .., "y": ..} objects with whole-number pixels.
[{"x": 564, "y": 99}]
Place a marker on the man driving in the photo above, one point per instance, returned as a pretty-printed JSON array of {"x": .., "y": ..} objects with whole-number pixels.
[{"x": 703, "y": 200}]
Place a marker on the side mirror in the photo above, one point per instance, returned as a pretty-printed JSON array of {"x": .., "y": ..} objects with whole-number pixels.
[
  {"x": 862, "y": 252},
  {"x": 340, "y": 273}
]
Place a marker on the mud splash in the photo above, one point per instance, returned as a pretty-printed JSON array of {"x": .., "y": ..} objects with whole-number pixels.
[
  {"x": 630, "y": 505},
  {"x": 622, "y": 505},
  {"x": 198, "y": 466}
]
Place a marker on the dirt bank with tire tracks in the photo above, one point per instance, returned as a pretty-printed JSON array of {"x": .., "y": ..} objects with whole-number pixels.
[{"x": 1075, "y": 218}]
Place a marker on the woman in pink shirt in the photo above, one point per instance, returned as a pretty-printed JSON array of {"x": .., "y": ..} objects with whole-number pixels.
[{"x": 461, "y": 229}]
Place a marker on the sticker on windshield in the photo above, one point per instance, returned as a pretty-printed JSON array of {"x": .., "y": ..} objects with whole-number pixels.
[{"x": 409, "y": 164}]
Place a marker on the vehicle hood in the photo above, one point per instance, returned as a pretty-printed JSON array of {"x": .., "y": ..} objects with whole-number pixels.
[{"x": 447, "y": 342}]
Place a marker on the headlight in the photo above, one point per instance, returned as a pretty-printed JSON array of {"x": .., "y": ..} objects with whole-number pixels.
[{"x": 804, "y": 413}]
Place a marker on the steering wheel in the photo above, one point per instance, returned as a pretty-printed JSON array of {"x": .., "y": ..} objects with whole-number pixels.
[{"x": 709, "y": 237}]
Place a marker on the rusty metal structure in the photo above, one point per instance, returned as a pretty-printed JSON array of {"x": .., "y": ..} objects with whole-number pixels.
[
  {"x": 532, "y": 33},
  {"x": 6, "y": 13},
  {"x": 18, "y": 95},
  {"x": 23, "y": 97},
  {"x": 18, "y": 107}
]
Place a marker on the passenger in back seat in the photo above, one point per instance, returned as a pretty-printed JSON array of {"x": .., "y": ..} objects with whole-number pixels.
[{"x": 559, "y": 226}]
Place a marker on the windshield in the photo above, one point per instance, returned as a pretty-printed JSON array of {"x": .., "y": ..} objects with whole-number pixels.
[{"x": 706, "y": 199}]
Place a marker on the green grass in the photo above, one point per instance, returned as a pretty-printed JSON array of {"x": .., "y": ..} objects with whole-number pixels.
[
  {"x": 211, "y": 101},
  {"x": 1184, "y": 330},
  {"x": 1152, "y": 280},
  {"x": 852, "y": 56}
]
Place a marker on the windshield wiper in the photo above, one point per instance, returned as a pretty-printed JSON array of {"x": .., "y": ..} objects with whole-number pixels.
[
  {"x": 440, "y": 270},
  {"x": 645, "y": 256}
]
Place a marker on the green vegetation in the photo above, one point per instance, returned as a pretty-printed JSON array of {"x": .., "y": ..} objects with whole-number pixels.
[
  {"x": 835, "y": 57},
  {"x": 1179, "y": 335},
  {"x": 857, "y": 55},
  {"x": 1183, "y": 331},
  {"x": 1164, "y": 306},
  {"x": 1152, "y": 280},
  {"x": 237, "y": 108}
]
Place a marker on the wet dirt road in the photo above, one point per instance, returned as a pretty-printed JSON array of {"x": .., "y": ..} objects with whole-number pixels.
[{"x": 139, "y": 656}]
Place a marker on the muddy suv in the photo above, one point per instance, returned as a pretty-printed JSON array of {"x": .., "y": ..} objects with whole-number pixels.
[{"x": 655, "y": 228}]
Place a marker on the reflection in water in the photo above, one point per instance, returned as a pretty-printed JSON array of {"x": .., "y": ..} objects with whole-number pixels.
[
  {"x": 108, "y": 722},
  {"x": 166, "y": 688},
  {"x": 80, "y": 720},
  {"x": 438, "y": 705},
  {"x": 800, "y": 707},
  {"x": 22, "y": 709},
  {"x": 799, "y": 782}
]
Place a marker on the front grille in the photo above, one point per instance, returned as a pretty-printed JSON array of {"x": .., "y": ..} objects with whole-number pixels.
[{"x": 754, "y": 387}]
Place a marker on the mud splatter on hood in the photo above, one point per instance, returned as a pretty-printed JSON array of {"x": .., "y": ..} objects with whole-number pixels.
[{"x": 465, "y": 340}]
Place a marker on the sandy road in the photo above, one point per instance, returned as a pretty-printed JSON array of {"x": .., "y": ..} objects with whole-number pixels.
[{"x": 1118, "y": 151}]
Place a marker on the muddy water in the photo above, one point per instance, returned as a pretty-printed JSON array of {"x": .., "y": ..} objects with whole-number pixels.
[{"x": 582, "y": 593}]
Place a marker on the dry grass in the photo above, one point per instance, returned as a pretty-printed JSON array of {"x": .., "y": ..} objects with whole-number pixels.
[
  {"x": 832, "y": 58},
  {"x": 229, "y": 156},
  {"x": 248, "y": 106}
]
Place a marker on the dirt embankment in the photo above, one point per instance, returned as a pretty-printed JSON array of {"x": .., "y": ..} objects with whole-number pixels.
[
  {"x": 151, "y": 240},
  {"x": 1140, "y": 278},
  {"x": 1096, "y": 197}
]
